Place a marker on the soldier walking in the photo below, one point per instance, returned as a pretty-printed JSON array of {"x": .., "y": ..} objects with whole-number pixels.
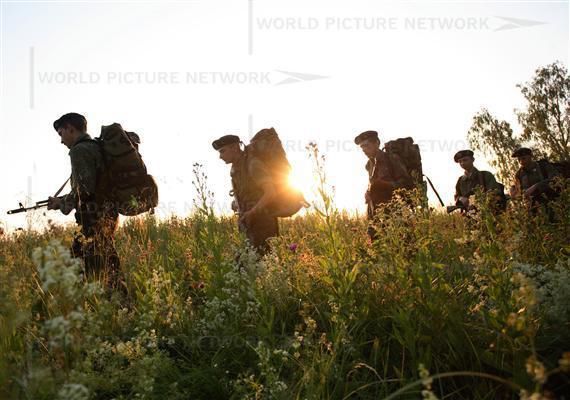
[
  {"x": 96, "y": 215},
  {"x": 534, "y": 179},
  {"x": 472, "y": 179},
  {"x": 253, "y": 191},
  {"x": 386, "y": 173}
]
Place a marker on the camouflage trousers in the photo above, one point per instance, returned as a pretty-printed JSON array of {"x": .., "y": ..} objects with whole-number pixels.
[
  {"x": 95, "y": 245},
  {"x": 260, "y": 229}
]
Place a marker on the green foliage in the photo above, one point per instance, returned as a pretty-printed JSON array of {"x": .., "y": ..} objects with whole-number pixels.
[
  {"x": 546, "y": 120},
  {"x": 496, "y": 140},
  {"x": 545, "y": 123},
  {"x": 479, "y": 301}
]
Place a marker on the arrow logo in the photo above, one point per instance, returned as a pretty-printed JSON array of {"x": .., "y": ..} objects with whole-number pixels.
[
  {"x": 516, "y": 23},
  {"x": 296, "y": 77}
]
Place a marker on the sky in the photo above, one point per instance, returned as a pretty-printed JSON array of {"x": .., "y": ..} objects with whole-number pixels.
[{"x": 183, "y": 73}]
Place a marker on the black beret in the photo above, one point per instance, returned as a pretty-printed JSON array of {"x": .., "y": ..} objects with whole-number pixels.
[
  {"x": 74, "y": 119},
  {"x": 224, "y": 141},
  {"x": 461, "y": 154},
  {"x": 522, "y": 151},
  {"x": 365, "y": 136}
]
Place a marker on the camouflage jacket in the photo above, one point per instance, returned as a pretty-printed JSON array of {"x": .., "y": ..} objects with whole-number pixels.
[
  {"x": 468, "y": 182},
  {"x": 248, "y": 175},
  {"x": 388, "y": 167},
  {"x": 535, "y": 173},
  {"x": 86, "y": 166}
]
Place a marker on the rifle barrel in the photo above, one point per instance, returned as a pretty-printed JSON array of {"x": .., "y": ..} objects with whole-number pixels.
[{"x": 39, "y": 204}]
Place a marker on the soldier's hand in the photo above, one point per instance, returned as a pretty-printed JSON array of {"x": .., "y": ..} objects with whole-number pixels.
[
  {"x": 465, "y": 202},
  {"x": 532, "y": 191},
  {"x": 54, "y": 203}
]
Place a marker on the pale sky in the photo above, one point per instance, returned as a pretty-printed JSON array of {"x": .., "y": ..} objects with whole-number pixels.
[{"x": 183, "y": 73}]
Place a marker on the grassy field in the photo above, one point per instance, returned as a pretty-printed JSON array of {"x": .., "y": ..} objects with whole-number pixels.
[{"x": 440, "y": 305}]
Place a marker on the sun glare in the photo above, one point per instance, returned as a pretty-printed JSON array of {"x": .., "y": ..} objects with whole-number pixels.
[{"x": 301, "y": 181}]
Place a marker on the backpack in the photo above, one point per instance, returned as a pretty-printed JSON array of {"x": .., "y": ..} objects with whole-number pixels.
[
  {"x": 125, "y": 180},
  {"x": 267, "y": 147},
  {"x": 409, "y": 153},
  {"x": 561, "y": 166}
]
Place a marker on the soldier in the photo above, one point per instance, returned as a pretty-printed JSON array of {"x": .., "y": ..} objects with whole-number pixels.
[
  {"x": 96, "y": 216},
  {"x": 253, "y": 191},
  {"x": 533, "y": 179},
  {"x": 386, "y": 173},
  {"x": 472, "y": 179}
]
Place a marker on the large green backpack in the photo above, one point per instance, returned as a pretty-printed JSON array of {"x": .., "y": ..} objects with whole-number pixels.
[
  {"x": 409, "y": 153},
  {"x": 267, "y": 147},
  {"x": 125, "y": 180}
]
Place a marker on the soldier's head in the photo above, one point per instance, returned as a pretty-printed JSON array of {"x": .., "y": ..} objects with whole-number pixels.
[
  {"x": 368, "y": 142},
  {"x": 69, "y": 127},
  {"x": 524, "y": 155},
  {"x": 229, "y": 148},
  {"x": 465, "y": 159}
]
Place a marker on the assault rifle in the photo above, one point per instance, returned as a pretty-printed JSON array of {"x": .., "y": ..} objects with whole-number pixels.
[
  {"x": 453, "y": 208},
  {"x": 39, "y": 204},
  {"x": 457, "y": 206},
  {"x": 21, "y": 208}
]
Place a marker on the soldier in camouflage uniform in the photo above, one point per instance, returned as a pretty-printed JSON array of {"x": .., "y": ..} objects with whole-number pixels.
[
  {"x": 386, "y": 173},
  {"x": 253, "y": 191},
  {"x": 96, "y": 217},
  {"x": 471, "y": 180},
  {"x": 534, "y": 179}
]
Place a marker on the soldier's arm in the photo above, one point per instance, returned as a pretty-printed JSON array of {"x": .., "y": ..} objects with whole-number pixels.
[
  {"x": 266, "y": 199},
  {"x": 259, "y": 172},
  {"x": 64, "y": 203},
  {"x": 544, "y": 185},
  {"x": 83, "y": 172},
  {"x": 68, "y": 203}
]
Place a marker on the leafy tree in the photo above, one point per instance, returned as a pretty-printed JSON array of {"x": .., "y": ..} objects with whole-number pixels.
[
  {"x": 545, "y": 123},
  {"x": 494, "y": 138}
]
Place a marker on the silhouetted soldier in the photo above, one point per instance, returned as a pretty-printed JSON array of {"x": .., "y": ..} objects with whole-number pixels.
[
  {"x": 253, "y": 191},
  {"x": 534, "y": 179},
  {"x": 471, "y": 180},
  {"x": 96, "y": 215},
  {"x": 386, "y": 173}
]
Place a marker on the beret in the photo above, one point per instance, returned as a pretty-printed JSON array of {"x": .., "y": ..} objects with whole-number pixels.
[
  {"x": 67, "y": 118},
  {"x": 224, "y": 141},
  {"x": 365, "y": 136},
  {"x": 461, "y": 154},
  {"x": 522, "y": 151}
]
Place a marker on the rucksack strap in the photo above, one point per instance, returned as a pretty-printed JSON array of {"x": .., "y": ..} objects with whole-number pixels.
[{"x": 62, "y": 186}]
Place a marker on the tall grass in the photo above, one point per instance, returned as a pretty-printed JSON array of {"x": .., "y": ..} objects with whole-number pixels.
[{"x": 482, "y": 303}]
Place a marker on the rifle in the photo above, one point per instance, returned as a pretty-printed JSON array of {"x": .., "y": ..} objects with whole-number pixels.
[
  {"x": 457, "y": 206},
  {"x": 451, "y": 209},
  {"x": 39, "y": 204},
  {"x": 21, "y": 208},
  {"x": 436, "y": 193}
]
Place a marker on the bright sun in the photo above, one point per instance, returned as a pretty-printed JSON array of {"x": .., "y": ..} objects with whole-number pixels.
[{"x": 301, "y": 181}]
